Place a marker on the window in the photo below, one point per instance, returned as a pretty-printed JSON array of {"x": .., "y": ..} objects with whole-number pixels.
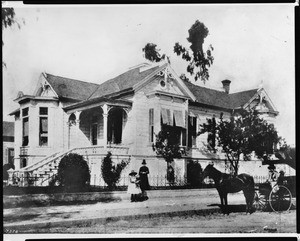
[
  {"x": 25, "y": 134},
  {"x": 43, "y": 134},
  {"x": 192, "y": 133},
  {"x": 23, "y": 163},
  {"x": 43, "y": 111},
  {"x": 162, "y": 84},
  {"x": 174, "y": 123},
  {"x": 25, "y": 112},
  {"x": 211, "y": 137},
  {"x": 151, "y": 125}
]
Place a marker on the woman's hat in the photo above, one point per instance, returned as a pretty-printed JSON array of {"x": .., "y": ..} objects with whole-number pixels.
[
  {"x": 132, "y": 173},
  {"x": 144, "y": 162}
]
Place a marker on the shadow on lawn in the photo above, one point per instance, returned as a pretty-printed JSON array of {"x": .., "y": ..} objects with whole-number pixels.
[
  {"x": 231, "y": 208},
  {"x": 242, "y": 208}
]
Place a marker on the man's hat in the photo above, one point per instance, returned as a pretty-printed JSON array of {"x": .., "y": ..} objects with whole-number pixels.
[
  {"x": 271, "y": 166},
  {"x": 132, "y": 173},
  {"x": 144, "y": 162}
]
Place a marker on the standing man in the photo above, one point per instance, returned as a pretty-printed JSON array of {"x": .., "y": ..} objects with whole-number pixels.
[{"x": 144, "y": 183}]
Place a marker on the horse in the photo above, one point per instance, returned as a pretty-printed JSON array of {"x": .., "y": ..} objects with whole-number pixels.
[{"x": 226, "y": 183}]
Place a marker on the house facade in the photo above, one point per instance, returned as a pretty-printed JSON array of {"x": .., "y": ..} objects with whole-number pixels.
[
  {"x": 122, "y": 115},
  {"x": 8, "y": 142}
]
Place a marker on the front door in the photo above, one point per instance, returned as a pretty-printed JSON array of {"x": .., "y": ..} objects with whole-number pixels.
[{"x": 94, "y": 134}]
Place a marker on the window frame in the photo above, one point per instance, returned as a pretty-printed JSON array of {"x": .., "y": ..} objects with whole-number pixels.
[
  {"x": 25, "y": 119},
  {"x": 151, "y": 125},
  {"x": 43, "y": 135}
]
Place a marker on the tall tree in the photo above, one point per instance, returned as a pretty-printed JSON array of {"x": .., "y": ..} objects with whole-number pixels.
[
  {"x": 243, "y": 134},
  {"x": 198, "y": 60}
]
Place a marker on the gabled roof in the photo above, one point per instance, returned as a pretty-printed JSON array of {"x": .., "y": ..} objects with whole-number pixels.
[
  {"x": 239, "y": 99},
  {"x": 8, "y": 128},
  {"x": 70, "y": 88},
  {"x": 219, "y": 98},
  {"x": 124, "y": 81}
]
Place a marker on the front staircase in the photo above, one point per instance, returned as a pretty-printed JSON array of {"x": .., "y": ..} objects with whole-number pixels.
[{"x": 43, "y": 172}]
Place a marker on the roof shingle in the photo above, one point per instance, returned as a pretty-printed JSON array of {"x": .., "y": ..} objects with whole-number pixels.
[
  {"x": 220, "y": 98},
  {"x": 71, "y": 88},
  {"x": 122, "y": 82}
]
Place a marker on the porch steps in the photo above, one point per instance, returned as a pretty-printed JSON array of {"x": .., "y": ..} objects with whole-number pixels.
[{"x": 40, "y": 173}]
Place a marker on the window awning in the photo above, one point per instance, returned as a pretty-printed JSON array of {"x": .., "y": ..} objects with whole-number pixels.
[
  {"x": 166, "y": 117},
  {"x": 179, "y": 120}
]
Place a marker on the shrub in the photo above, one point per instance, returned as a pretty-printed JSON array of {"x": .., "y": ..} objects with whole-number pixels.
[
  {"x": 111, "y": 173},
  {"x": 73, "y": 172},
  {"x": 194, "y": 173}
]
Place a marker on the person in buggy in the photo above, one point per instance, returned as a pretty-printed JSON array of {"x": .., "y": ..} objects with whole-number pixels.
[
  {"x": 273, "y": 176},
  {"x": 134, "y": 186}
]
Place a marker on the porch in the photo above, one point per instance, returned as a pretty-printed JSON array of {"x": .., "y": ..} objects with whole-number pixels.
[{"x": 103, "y": 124}]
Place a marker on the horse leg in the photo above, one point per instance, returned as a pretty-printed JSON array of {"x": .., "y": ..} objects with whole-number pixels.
[
  {"x": 247, "y": 199},
  {"x": 249, "y": 196},
  {"x": 226, "y": 203},
  {"x": 222, "y": 200}
]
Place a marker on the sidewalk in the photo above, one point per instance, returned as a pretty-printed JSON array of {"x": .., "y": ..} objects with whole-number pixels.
[{"x": 160, "y": 202}]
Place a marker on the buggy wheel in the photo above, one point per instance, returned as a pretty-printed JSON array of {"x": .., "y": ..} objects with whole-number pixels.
[
  {"x": 259, "y": 201},
  {"x": 280, "y": 199}
]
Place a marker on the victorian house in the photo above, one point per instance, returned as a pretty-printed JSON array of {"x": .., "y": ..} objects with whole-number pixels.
[{"x": 121, "y": 115}]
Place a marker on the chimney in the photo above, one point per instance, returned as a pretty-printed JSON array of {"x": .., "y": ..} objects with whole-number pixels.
[{"x": 226, "y": 85}]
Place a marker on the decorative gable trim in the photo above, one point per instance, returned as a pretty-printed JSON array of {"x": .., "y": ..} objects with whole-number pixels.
[
  {"x": 261, "y": 93},
  {"x": 42, "y": 80},
  {"x": 167, "y": 71},
  {"x": 143, "y": 82},
  {"x": 181, "y": 83}
]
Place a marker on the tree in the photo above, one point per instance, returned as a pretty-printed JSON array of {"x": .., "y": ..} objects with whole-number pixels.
[
  {"x": 166, "y": 147},
  {"x": 194, "y": 172},
  {"x": 198, "y": 60},
  {"x": 152, "y": 53},
  {"x": 8, "y": 20},
  {"x": 5, "y": 168},
  {"x": 243, "y": 134},
  {"x": 73, "y": 172},
  {"x": 111, "y": 173}
]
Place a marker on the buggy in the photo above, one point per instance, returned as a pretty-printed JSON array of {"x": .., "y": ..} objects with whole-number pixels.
[{"x": 279, "y": 197}]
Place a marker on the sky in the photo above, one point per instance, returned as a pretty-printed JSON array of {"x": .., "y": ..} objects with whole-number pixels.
[{"x": 253, "y": 45}]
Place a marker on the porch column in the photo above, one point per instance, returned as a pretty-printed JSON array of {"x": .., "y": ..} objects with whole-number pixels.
[
  {"x": 77, "y": 114},
  {"x": 105, "y": 115},
  {"x": 77, "y": 121}
]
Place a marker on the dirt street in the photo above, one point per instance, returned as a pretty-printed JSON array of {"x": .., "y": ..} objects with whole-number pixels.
[{"x": 238, "y": 222}]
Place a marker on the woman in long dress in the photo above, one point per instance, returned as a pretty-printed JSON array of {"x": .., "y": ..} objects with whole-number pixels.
[
  {"x": 133, "y": 186},
  {"x": 143, "y": 173}
]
